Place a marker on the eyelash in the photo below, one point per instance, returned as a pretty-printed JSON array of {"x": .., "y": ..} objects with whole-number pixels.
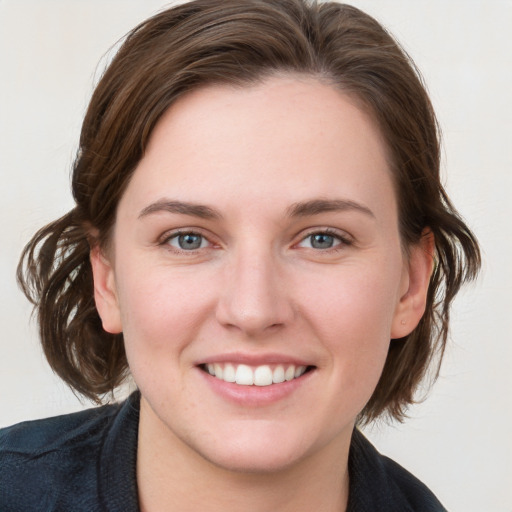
[
  {"x": 168, "y": 237},
  {"x": 343, "y": 241}
]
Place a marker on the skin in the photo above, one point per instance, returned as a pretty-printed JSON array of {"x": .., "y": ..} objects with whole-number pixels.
[{"x": 259, "y": 288}]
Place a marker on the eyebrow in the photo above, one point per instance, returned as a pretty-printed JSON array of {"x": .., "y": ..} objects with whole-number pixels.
[
  {"x": 180, "y": 207},
  {"x": 317, "y": 206},
  {"x": 300, "y": 209}
]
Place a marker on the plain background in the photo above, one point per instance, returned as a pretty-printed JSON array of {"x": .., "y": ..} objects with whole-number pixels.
[{"x": 459, "y": 441}]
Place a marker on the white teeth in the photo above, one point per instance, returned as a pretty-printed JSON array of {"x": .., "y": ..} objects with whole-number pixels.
[
  {"x": 229, "y": 373},
  {"x": 299, "y": 371},
  {"x": 278, "y": 375},
  {"x": 263, "y": 375},
  {"x": 244, "y": 375},
  {"x": 218, "y": 370},
  {"x": 290, "y": 373}
]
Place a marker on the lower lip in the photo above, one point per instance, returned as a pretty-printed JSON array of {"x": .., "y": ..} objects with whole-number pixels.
[{"x": 255, "y": 396}]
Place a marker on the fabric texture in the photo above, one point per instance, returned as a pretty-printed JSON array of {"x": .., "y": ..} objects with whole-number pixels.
[{"x": 86, "y": 462}]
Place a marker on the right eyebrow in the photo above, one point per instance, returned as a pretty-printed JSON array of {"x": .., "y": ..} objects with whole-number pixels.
[{"x": 193, "y": 209}]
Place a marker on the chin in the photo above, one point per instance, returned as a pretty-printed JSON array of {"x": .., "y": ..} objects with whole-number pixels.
[
  {"x": 261, "y": 451},
  {"x": 253, "y": 462}
]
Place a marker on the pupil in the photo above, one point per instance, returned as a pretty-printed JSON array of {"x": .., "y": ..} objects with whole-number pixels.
[
  {"x": 322, "y": 241},
  {"x": 189, "y": 241}
]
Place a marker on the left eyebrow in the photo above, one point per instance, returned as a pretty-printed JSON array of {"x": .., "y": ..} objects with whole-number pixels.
[
  {"x": 317, "y": 206},
  {"x": 184, "y": 208}
]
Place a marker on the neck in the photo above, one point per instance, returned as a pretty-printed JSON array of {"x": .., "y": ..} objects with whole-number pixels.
[{"x": 172, "y": 476}]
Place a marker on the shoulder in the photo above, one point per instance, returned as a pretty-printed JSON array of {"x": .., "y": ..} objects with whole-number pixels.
[
  {"x": 45, "y": 436},
  {"x": 46, "y": 462},
  {"x": 379, "y": 483}
]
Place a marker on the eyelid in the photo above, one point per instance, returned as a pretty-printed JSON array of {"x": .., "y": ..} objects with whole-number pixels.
[
  {"x": 344, "y": 238},
  {"x": 163, "y": 239}
]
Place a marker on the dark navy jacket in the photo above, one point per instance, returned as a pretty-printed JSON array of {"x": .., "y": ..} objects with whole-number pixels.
[{"x": 86, "y": 462}]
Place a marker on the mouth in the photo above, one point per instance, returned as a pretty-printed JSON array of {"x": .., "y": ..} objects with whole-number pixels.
[{"x": 262, "y": 375}]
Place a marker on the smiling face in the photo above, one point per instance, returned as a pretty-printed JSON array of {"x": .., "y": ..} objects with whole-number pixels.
[{"x": 258, "y": 242}]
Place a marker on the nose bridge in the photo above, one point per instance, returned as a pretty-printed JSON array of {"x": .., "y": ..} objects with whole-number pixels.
[{"x": 254, "y": 298}]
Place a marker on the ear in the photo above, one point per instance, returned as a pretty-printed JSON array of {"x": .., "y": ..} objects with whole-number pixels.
[
  {"x": 105, "y": 293},
  {"x": 414, "y": 287}
]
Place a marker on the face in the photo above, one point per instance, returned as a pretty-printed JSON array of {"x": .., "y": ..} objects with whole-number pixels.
[{"x": 257, "y": 273}]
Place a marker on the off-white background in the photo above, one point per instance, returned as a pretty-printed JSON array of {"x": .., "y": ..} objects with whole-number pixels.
[{"x": 460, "y": 440}]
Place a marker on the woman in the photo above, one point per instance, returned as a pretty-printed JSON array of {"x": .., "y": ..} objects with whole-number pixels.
[{"x": 261, "y": 240}]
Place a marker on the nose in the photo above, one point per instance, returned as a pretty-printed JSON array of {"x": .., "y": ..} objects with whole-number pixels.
[{"x": 255, "y": 298}]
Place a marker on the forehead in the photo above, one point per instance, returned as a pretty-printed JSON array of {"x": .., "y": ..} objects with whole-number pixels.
[{"x": 286, "y": 139}]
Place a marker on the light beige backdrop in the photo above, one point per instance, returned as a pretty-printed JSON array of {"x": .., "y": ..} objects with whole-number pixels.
[{"x": 460, "y": 440}]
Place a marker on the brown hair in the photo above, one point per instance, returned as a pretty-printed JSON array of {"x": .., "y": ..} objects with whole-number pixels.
[{"x": 240, "y": 42}]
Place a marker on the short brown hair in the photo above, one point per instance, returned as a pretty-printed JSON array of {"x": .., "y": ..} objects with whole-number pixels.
[{"x": 241, "y": 42}]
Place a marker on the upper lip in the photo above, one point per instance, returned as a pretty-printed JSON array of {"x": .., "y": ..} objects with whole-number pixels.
[{"x": 254, "y": 359}]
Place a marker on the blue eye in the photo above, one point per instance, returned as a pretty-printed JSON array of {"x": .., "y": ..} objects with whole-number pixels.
[
  {"x": 187, "y": 241},
  {"x": 321, "y": 240}
]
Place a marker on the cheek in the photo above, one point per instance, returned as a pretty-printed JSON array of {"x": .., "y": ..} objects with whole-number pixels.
[
  {"x": 160, "y": 313},
  {"x": 352, "y": 314},
  {"x": 362, "y": 300}
]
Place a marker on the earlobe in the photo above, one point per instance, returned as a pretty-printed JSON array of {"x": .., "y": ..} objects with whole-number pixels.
[
  {"x": 412, "y": 303},
  {"x": 105, "y": 294}
]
